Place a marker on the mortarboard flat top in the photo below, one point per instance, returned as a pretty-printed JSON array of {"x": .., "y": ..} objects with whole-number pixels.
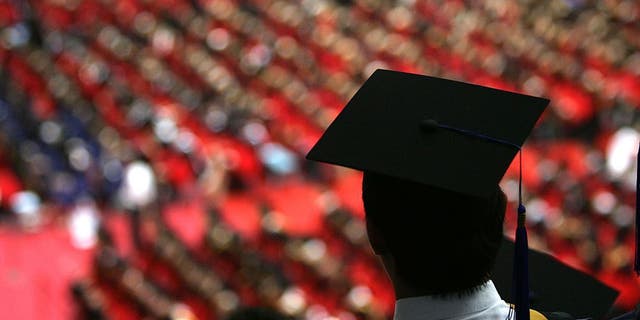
[
  {"x": 381, "y": 130},
  {"x": 554, "y": 286}
]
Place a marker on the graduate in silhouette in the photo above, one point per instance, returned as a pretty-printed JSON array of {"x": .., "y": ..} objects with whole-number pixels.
[{"x": 433, "y": 152}]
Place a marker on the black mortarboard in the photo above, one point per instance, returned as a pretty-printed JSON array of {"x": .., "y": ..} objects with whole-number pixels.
[
  {"x": 390, "y": 126},
  {"x": 555, "y": 286},
  {"x": 443, "y": 133}
]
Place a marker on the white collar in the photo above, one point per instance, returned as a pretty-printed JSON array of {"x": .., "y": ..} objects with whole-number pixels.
[{"x": 430, "y": 307}]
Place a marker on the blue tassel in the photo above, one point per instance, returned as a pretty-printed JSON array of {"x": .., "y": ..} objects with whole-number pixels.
[
  {"x": 521, "y": 270},
  {"x": 521, "y": 258}
]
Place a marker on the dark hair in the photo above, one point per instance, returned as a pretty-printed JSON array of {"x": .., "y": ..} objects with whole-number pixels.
[
  {"x": 442, "y": 241},
  {"x": 257, "y": 313}
]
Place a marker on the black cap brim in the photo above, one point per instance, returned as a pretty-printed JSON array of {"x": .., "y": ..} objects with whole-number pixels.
[{"x": 382, "y": 130}]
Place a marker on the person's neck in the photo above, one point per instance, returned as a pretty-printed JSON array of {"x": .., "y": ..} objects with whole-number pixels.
[{"x": 403, "y": 291}]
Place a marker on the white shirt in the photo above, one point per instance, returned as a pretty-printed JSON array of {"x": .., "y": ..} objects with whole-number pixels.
[{"x": 483, "y": 304}]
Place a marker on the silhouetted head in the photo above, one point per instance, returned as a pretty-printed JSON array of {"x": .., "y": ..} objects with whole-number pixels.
[{"x": 432, "y": 241}]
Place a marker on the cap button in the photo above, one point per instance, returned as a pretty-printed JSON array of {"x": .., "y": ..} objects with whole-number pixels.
[{"x": 429, "y": 125}]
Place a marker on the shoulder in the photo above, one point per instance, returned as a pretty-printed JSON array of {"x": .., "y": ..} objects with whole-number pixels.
[{"x": 545, "y": 315}]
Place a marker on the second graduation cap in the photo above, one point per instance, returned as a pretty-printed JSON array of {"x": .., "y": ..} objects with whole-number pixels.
[{"x": 554, "y": 285}]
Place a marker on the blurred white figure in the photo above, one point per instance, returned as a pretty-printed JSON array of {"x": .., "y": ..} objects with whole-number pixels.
[
  {"x": 83, "y": 225},
  {"x": 621, "y": 156},
  {"x": 139, "y": 186},
  {"x": 278, "y": 158},
  {"x": 26, "y": 205}
]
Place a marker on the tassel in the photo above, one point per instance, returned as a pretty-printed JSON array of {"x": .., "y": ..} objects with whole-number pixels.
[
  {"x": 521, "y": 258},
  {"x": 636, "y": 266},
  {"x": 521, "y": 268}
]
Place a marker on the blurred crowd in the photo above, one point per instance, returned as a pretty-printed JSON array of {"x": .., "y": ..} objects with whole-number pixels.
[{"x": 170, "y": 136}]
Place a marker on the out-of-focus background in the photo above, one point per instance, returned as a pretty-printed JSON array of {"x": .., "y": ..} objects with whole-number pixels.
[{"x": 152, "y": 152}]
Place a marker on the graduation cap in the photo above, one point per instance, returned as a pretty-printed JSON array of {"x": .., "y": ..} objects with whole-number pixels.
[
  {"x": 443, "y": 133},
  {"x": 554, "y": 286}
]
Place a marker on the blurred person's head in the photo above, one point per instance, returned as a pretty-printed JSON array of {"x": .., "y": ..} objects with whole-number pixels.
[{"x": 432, "y": 241}]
